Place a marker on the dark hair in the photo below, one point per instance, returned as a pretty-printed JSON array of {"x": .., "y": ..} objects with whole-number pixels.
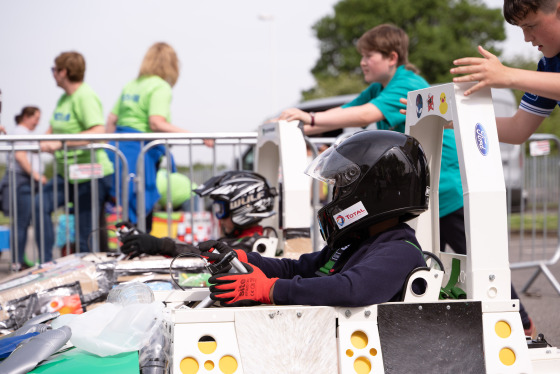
[
  {"x": 74, "y": 63},
  {"x": 27, "y": 111},
  {"x": 387, "y": 38},
  {"x": 515, "y": 11}
]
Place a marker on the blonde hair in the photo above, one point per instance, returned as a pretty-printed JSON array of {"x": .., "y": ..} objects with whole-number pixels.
[
  {"x": 387, "y": 38},
  {"x": 161, "y": 60}
]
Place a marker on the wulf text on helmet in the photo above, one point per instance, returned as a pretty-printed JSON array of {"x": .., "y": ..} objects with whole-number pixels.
[{"x": 246, "y": 200}]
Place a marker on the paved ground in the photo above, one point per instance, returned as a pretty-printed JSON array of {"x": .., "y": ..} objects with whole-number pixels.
[{"x": 542, "y": 302}]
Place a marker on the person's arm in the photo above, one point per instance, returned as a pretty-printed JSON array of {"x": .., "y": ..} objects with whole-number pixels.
[
  {"x": 23, "y": 161},
  {"x": 159, "y": 124},
  {"x": 49, "y": 145},
  {"x": 489, "y": 71},
  {"x": 335, "y": 118},
  {"x": 137, "y": 244},
  {"x": 55, "y": 145},
  {"x": 517, "y": 129},
  {"x": 111, "y": 124}
]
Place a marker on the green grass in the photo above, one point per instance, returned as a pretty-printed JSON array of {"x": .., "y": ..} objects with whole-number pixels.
[
  {"x": 4, "y": 220},
  {"x": 537, "y": 220}
]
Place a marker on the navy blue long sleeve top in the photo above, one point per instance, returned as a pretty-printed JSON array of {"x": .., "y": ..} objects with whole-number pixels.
[{"x": 374, "y": 273}]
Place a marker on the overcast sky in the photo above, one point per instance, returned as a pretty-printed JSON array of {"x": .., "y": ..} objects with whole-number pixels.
[{"x": 240, "y": 60}]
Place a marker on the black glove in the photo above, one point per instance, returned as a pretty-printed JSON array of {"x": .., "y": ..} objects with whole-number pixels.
[
  {"x": 127, "y": 224},
  {"x": 125, "y": 228},
  {"x": 144, "y": 243},
  {"x": 207, "y": 248}
]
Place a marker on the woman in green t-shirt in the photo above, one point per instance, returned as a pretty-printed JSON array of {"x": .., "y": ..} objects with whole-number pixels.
[
  {"x": 78, "y": 111},
  {"x": 144, "y": 107}
]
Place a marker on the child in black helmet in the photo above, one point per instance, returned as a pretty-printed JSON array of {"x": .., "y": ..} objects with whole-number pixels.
[
  {"x": 380, "y": 180},
  {"x": 241, "y": 199}
]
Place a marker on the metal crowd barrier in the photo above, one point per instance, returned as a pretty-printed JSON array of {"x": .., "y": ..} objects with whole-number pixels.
[
  {"x": 191, "y": 143},
  {"x": 10, "y": 146},
  {"x": 534, "y": 226}
]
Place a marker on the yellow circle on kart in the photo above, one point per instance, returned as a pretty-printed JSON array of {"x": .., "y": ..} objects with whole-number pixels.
[
  {"x": 507, "y": 356},
  {"x": 359, "y": 339},
  {"x": 503, "y": 329},
  {"x": 188, "y": 365},
  {"x": 228, "y": 365},
  {"x": 362, "y": 365}
]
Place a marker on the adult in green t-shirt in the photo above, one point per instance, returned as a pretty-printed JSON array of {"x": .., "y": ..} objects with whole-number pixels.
[
  {"x": 144, "y": 107},
  {"x": 78, "y": 111},
  {"x": 385, "y": 65}
]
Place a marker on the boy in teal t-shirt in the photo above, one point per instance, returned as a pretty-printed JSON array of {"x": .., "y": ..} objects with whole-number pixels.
[
  {"x": 386, "y": 99},
  {"x": 385, "y": 65}
]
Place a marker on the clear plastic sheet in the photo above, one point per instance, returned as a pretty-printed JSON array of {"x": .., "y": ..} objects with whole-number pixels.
[{"x": 112, "y": 328}]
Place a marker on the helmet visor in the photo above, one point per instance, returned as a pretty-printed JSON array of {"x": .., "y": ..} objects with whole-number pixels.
[
  {"x": 333, "y": 168},
  {"x": 221, "y": 209}
]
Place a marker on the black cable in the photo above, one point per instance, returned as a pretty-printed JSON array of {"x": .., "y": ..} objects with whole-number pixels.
[
  {"x": 187, "y": 254},
  {"x": 435, "y": 258},
  {"x": 268, "y": 229},
  {"x": 89, "y": 238}
]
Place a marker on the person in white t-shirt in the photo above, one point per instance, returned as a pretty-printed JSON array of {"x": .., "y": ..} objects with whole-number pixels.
[{"x": 26, "y": 166}]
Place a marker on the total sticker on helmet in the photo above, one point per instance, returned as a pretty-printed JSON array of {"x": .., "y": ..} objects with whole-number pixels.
[
  {"x": 481, "y": 139},
  {"x": 350, "y": 215}
]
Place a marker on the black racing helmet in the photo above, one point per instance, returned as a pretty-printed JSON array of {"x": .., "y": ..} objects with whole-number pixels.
[
  {"x": 376, "y": 175},
  {"x": 243, "y": 195}
]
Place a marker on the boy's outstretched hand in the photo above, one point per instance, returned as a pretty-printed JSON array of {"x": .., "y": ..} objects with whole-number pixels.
[{"x": 488, "y": 71}]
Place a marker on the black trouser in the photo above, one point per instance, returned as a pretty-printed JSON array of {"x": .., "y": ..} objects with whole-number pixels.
[{"x": 452, "y": 232}]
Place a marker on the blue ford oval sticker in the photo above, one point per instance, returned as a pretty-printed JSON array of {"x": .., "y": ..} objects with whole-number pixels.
[{"x": 481, "y": 139}]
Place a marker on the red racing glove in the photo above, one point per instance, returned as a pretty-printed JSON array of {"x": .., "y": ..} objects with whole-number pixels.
[
  {"x": 242, "y": 289},
  {"x": 207, "y": 249}
]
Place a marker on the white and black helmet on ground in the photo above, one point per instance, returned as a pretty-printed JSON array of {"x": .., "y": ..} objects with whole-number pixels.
[
  {"x": 376, "y": 175},
  {"x": 245, "y": 196}
]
